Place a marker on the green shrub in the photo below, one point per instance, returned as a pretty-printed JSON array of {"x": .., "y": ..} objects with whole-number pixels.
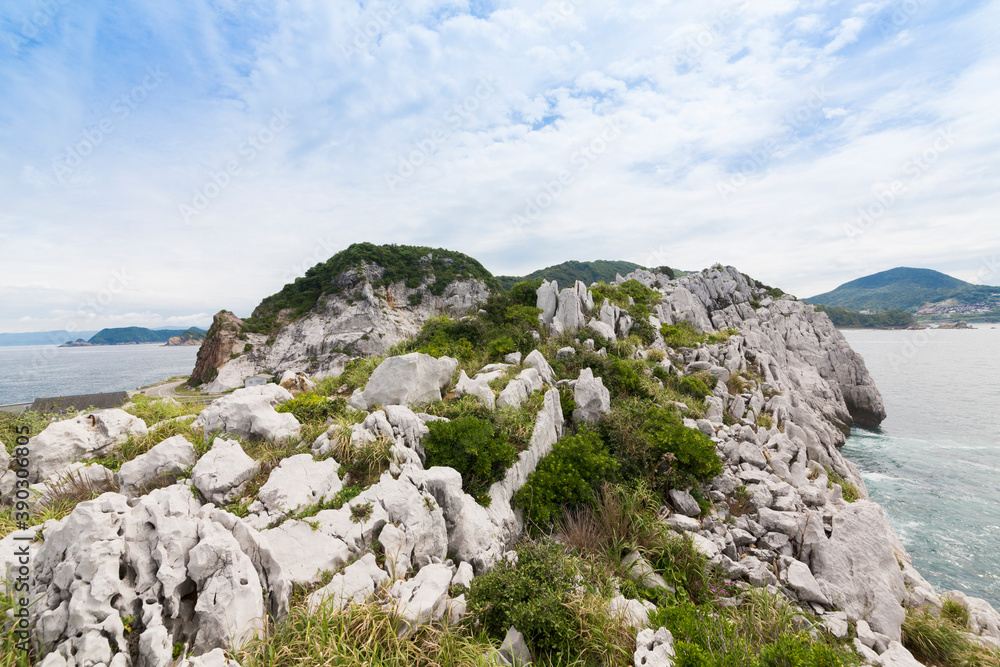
[
  {"x": 468, "y": 444},
  {"x": 568, "y": 476},
  {"x": 567, "y": 400},
  {"x": 499, "y": 347},
  {"x": 311, "y": 407},
  {"x": 625, "y": 378},
  {"x": 650, "y": 443},
  {"x": 534, "y": 596},
  {"x": 358, "y": 371},
  {"x": 850, "y": 491},
  {"x": 682, "y": 334}
]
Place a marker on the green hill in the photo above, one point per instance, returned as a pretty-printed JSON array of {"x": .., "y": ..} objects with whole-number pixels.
[
  {"x": 568, "y": 273},
  {"x": 132, "y": 335},
  {"x": 409, "y": 264},
  {"x": 914, "y": 290}
]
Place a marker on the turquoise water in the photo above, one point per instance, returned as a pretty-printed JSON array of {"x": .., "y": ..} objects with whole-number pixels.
[
  {"x": 935, "y": 463},
  {"x": 41, "y": 371}
]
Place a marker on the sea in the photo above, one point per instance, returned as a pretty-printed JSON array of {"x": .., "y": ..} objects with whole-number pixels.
[
  {"x": 934, "y": 464},
  {"x": 43, "y": 371}
]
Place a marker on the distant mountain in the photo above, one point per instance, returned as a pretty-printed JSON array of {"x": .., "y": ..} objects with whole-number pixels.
[
  {"x": 921, "y": 291},
  {"x": 568, "y": 273},
  {"x": 135, "y": 335},
  {"x": 41, "y": 337}
]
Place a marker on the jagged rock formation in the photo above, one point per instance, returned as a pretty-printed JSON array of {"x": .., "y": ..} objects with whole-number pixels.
[
  {"x": 187, "y": 572},
  {"x": 221, "y": 342},
  {"x": 358, "y": 320}
]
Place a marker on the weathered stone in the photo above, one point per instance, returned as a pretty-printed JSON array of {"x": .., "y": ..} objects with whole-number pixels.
[
  {"x": 639, "y": 570},
  {"x": 684, "y": 502},
  {"x": 82, "y": 438},
  {"x": 654, "y": 649},
  {"x": 222, "y": 473},
  {"x": 250, "y": 412},
  {"x": 634, "y": 613},
  {"x": 299, "y": 481},
  {"x": 478, "y": 387},
  {"x": 537, "y": 361},
  {"x": 423, "y": 598},
  {"x": 514, "y": 650},
  {"x": 355, "y": 585},
  {"x": 160, "y": 464},
  {"x": 407, "y": 379},
  {"x": 592, "y": 398},
  {"x": 801, "y": 581},
  {"x": 547, "y": 301},
  {"x": 297, "y": 382}
]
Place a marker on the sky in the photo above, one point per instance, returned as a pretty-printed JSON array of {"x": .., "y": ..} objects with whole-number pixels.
[{"x": 162, "y": 161}]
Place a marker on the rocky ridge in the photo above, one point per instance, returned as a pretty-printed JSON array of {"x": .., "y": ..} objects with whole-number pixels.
[{"x": 183, "y": 572}]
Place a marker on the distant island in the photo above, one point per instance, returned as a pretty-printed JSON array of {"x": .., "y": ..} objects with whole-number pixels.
[
  {"x": 141, "y": 335},
  {"x": 924, "y": 294},
  {"x": 41, "y": 337}
]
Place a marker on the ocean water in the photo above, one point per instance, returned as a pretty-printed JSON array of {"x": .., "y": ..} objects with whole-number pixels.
[
  {"x": 934, "y": 465},
  {"x": 41, "y": 371}
]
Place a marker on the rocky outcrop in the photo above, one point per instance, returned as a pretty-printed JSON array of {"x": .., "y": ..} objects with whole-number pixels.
[
  {"x": 405, "y": 380},
  {"x": 163, "y": 463},
  {"x": 250, "y": 413},
  {"x": 221, "y": 342},
  {"x": 85, "y": 437}
]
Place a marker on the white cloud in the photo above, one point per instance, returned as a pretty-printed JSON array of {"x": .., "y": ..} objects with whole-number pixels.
[{"x": 700, "y": 93}]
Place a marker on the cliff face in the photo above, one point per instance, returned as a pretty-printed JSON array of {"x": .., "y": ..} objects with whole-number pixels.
[
  {"x": 360, "y": 320},
  {"x": 221, "y": 342}
]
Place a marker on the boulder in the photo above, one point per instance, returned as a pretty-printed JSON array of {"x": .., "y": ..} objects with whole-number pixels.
[
  {"x": 537, "y": 361},
  {"x": 565, "y": 352},
  {"x": 423, "y": 598},
  {"x": 82, "y": 438},
  {"x": 299, "y": 481},
  {"x": 548, "y": 301},
  {"x": 897, "y": 656},
  {"x": 634, "y": 613},
  {"x": 514, "y": 649},
  {"x": 569, "y": 316},
  {"x": 250, "y": 412},
  {"x": 297, "y": 382},
  {"x": 639, "y": 570},
  {"x": 857, "y": 569},
  {"x": 983, "y": 618},
  {"x": 654, "y": 649},
  {"x": 304, "y": 552},
  {"x": 406, "y": 380},
  {"x": 798, "y": 578},
  {"x": 223, "y": 473},
  {"x": 478, "y": 387},
  {"x": 684, "y": 502},
  {"x": 356, "y": 584},
  {"x": 214, "y": 658},
  {"x": 592, "y": 398},
  {"x": 163, "y": 463},
  {"x": 517, "y": 390}
]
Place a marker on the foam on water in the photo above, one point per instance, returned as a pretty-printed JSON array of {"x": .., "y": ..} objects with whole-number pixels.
[{"x": 935, "y": 463}]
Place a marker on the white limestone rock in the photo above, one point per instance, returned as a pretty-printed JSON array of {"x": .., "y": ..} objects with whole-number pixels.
[
  {"x": 161, "y": 463},
  {"x": 300, "y": 481},
  {"x": 297, "y": 382},
  {"x": 222, "y": 473},
  {"x": 305, "y": 552},
  {"x": 250, "y": 412},
  {"x": 407, "y": 379},
  {"x": 479, "y": 386},
  {"x": 634, "y": 613},
  {"x": 654, "y": 649},
  {"x": 82, "y": 438},
  {"x": 548, "y": 301},
  {"x": 857, "y": 569},
  {"x": 355, "y": 585},
  {"x": 537, "y": 361},
  {"x": 423, "y": 598},
  {"x": 592, "y": 398}
]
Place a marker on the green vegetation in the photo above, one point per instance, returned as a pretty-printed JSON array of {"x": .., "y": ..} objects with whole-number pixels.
[
  {"x": 126, "y": 335},
  {"x": 905, "y": 289},
  {"x": 652, "y": 445},
  {"x": 155, "y": 410},
  {"x": 941, "y": 640},
  {"x": 26, "y": 423},
  {"x": 567, "y": 273},
  {"x": 890, "y": 319},
  {"x": 538, "y": 595},
  {"x": 472, "y": 447},
  {"x": 685, "y": 334},
  {"x": 569, "y": 476},
  {"x": 850, "y": 491},
  {"x": 412, "y": 265},
  {"x": 312, "y": 407}
]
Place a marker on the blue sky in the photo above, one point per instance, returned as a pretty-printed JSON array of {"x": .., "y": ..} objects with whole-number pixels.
[{"x": 159, "y": 163}]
